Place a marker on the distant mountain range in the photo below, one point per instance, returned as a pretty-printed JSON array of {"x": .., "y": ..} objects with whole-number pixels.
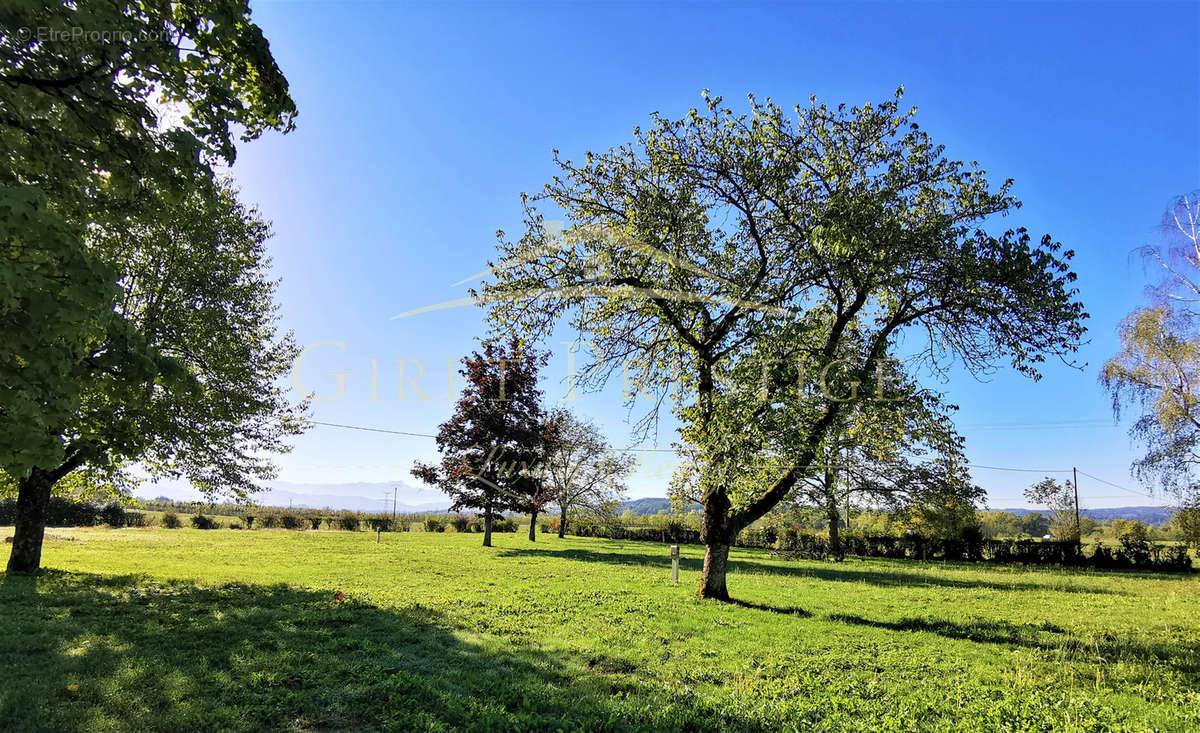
[
  {"x": 1153, "y": 515},
  {"x": 358, "y": 497}
]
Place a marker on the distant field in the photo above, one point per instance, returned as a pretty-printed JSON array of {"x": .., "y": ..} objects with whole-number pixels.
[{"x": 187, "y": 629}]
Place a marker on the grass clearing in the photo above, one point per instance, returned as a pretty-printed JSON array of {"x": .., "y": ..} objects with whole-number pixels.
[{"x": 155, "y": 629}]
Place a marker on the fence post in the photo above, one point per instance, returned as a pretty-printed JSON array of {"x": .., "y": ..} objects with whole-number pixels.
[{"x": 675, "y": 564}]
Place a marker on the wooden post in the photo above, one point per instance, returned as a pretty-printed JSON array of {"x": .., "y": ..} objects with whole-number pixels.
[
  {"x": 378, "y": 530},
  {"x": 675, "y": 564},
  {"x": 1078, "y": 527}
]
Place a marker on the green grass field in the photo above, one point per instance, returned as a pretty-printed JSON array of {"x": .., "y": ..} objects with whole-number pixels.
[{"x": 186, "y": 629}]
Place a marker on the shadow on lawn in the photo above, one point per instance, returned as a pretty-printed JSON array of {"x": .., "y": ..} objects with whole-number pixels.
[
  {"x": 656, "y": 557},
  {"x": 1180, "y": 655},
  {"x": 94, "y": 651}
]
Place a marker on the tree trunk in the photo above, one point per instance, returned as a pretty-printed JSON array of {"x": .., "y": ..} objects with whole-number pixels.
[
  {"x": 487, "y": 525},
  {"x": 30, "y": 527},
  {"x": 562, "y": 520},
  {"x": 717, "y": 536},
  {"x": 716, "y": 562},
  {"x": 533, "y": 526},
  {"x": 835, "y": 543}
]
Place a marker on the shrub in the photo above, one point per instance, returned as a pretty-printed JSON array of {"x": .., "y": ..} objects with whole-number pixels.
[
  {"x": 315, "y": 521},
  {"x": 269, "y": 520},
  {"x": 112, "y": 514},
  {"x": 380, "y": 523},
  {"x": 235, "y": 524},
  {"x": 547, "y": 527},
  {"x": 170, "y": 520},
  {"x": 507, "y": 524},
  {"x": 202, "y": 522},
  {"x": 462, "y": 523},
  {"x": 349, "y": 522},
  {"x": 61, "y": 512},
  {"x": 291, "y": 520},
  {"x": 249, "y": 518},
  {"x": 1135, "y": 543},
  {"x": 137, "y": 519},
  {"x": 433, "y": 524}
]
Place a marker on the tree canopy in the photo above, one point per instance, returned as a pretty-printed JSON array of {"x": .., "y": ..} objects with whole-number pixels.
[
  {"x": 1155, "y": 372},
  {"x": 583, "y": 472},
  {"x": 162, "y": 345},
  {"x": 102, "y": 130},
  {"x": 737, "y": 257}
]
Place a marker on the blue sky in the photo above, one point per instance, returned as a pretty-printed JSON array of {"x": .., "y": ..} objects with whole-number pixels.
[{"x": 420, "y": 124}]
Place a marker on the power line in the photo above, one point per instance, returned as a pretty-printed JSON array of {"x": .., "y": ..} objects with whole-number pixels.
[
  {"x": 371, "y": 430},
  {"x": 1021, "y": 470},
  {"x": 1116, "y": 486},
  {"x": 632, "y": 449}
]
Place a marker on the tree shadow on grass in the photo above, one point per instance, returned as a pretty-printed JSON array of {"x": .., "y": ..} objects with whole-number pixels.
[
  {"x": 786, "y": 610},
  {"x": 899, "y": 577},
  {"x": 95, "y": 651},
  {"x": 1183, "y": 656}
]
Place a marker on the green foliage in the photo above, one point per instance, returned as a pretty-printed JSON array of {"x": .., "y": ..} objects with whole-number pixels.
[
  {"x": 200, "y": 521},
  {"x": 507, "y": 524},
  {"x": 56, "y": 302},
  {"x": 1187, "y": 522},
  {"x": 583, "y": 471},
  {"x": 171, "y": 520},
  {"x": 433, "y": 524},
  {"x": 315, "y": 520},
  {"x": 380, "y": 523},
  {"x": 348, "y": 521},
  {"x": 1153, "y": 374},
  {"x": 291, "y": 520}
]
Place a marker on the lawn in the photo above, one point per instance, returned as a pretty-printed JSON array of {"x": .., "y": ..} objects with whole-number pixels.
[{"x": 239, "y": 630}]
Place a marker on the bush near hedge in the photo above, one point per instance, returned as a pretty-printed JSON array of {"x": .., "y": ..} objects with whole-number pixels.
[
  {"x": 62, "y": 512},
  {"x": 200, "y": 521},
  {"x": 380, "y": 523}
]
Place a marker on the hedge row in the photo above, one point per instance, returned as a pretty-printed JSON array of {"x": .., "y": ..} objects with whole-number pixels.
[
  {"x": 62, "y": 512},
  {"x": 1132, "y": 554}
]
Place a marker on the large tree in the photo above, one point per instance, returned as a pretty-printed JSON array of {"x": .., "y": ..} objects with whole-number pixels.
[
  {"x": 1156, "y": 372},
  {"x": 583, "y": 472},
  {"x": 192, "y": 386},
  {"x": 742, "y": 257},
  {"x": 110, "y": 141},
  {"x": 494, "y": 445}
]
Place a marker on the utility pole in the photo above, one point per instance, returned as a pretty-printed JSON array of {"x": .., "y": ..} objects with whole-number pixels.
[
  {"x": 1078, "y": 526},
  {"x": 395, "y": 492}
]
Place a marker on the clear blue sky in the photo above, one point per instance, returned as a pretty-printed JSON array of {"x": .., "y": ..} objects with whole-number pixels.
[{"x": 421, "y": 123}]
